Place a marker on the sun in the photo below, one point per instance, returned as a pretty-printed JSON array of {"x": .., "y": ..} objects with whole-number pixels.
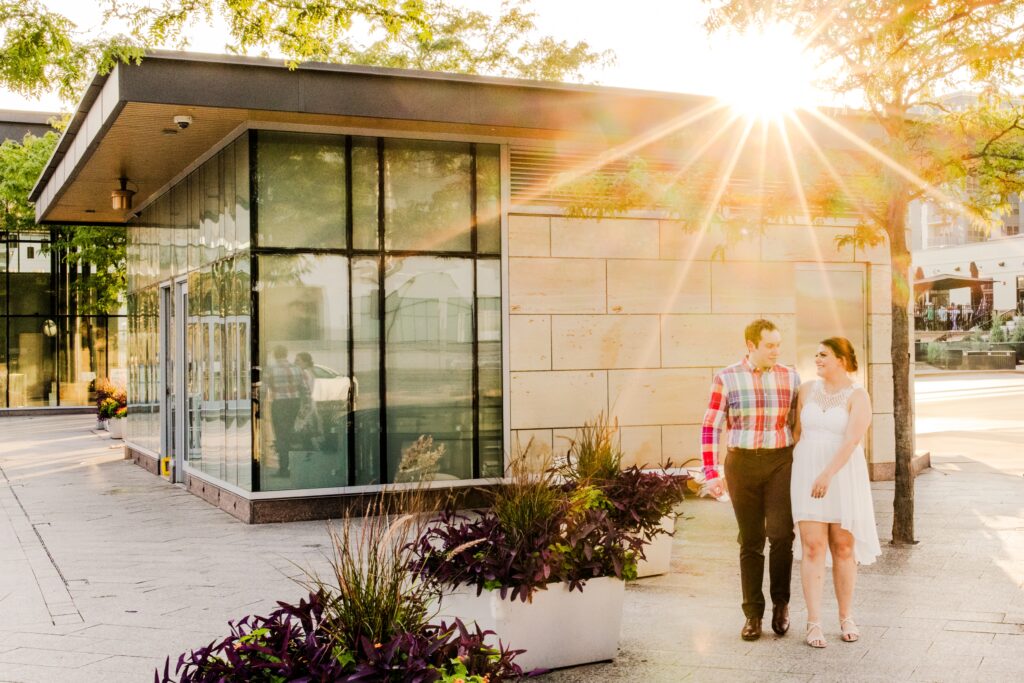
[{"x": 765, "y": 73}]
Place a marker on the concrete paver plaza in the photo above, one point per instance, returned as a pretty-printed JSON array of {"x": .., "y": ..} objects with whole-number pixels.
[{"x": 105, "y": 570}]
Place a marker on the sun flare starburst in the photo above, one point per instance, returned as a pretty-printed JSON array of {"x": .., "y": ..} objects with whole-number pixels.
[{"x": 765, "y": 72}]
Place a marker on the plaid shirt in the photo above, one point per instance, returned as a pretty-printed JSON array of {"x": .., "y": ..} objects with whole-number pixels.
[
  {"x": 283, "y": 380},
  {"x": 758, "y": 406}
]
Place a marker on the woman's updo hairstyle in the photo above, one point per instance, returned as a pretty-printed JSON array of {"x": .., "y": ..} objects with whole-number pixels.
[{"x": 843, "y": 350}]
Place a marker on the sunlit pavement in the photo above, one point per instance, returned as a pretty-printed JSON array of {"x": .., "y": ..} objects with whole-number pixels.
[
  {"x": 105, "y": 569},
  {"x": 950, "y": 609}
]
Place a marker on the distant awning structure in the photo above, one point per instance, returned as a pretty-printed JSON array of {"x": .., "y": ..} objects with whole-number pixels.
[{"x": 943, "y": 282}]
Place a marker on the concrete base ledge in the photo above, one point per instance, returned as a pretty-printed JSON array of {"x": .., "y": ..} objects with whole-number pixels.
[
  {"x": 143, "y": 460},
  {"x": 886, "y": 471},
  {"x": 309, "y": 508},
  {"x": 306, "y": 508},
  {"x": 47, "y": 411},
  {"x": 881, "y": 471}
]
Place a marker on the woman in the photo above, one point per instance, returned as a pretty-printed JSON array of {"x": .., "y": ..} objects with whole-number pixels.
[
  {"x": 829, "y": 489},
  {"x": 307, "y": 421}
]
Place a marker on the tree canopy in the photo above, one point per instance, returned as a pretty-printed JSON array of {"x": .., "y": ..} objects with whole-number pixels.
[
  {"x": 43, "y": 51},
  {"x": 97, "y": 251}
]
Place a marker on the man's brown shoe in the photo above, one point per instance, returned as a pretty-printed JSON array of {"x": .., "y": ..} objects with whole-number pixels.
[
  {"x": 751, "y": 629},
  {"x": 780, "y": 618}
]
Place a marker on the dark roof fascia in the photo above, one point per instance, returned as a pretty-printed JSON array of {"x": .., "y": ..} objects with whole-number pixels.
[
  {"x": 200, "y": 80},
  {"x": 68, "y": 138},
  {"x": 416, "y": 74}
]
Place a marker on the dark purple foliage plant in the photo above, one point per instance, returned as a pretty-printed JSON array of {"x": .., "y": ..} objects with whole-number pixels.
[
  {"x": 536, "y": 532},
  {"x": 371, "y": 620},
  {"x": 639, "y": 498}
]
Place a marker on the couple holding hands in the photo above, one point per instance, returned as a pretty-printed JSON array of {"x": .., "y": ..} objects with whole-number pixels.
[{"x": 794, "y": 466}]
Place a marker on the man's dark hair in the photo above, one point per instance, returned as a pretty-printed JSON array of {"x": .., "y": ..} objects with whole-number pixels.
[{"x": 754, "y": 330}]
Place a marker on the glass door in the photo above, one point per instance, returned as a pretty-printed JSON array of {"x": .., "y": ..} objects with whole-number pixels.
[
  {"x": 173, "y": 308},
  {"x": 168, "y": 367}
]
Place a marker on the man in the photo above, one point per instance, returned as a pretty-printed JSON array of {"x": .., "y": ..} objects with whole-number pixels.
[
  {"x": 284, "y": 380},
  {"x": 756, "y": 399}
]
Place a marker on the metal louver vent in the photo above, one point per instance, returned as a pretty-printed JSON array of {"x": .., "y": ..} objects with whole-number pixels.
[{"x": 535, "y": 172}]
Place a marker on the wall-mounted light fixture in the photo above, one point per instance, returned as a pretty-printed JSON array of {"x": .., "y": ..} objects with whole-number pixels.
[
  {"x": 957, "y": 269},
  {"x": 1002, "y": 264},
  {"x": 121, "y": 198}
]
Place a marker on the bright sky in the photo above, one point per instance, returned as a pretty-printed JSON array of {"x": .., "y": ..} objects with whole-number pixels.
[{"x": 658, "y": 45}]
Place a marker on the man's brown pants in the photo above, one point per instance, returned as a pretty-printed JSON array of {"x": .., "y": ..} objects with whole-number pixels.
[{"x": 758, "y": 483}]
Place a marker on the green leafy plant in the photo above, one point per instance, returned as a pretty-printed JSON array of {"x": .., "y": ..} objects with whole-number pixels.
[
  {"x": 637, "y": 499},
  {"x": 110, "y": 398},
  {"x": 997, "y": 335},
  {"x": 108, "y": 408},
  {"x": 374, "y": 595},
  {"x": 934, "y": 353},
  {"x": 593, "y": 456}
]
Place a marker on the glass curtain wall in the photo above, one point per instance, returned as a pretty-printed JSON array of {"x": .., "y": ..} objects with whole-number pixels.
[
  {"x": 49, "y": 354},
  {"x": 198, "y": 231},
  {"x": 378, "y": 292},
  {"x": 374, "y": 272}
]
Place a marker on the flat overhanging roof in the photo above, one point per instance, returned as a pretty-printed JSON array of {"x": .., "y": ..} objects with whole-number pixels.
[
  {"x": 124, "y": 125},
  {"x": 943, "y": 282},
  {"x": 14, "y": 124}
]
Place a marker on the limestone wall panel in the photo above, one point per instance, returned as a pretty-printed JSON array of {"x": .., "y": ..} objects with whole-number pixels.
[
  {"x": 805, "y": 243},
  {"x": 880, "y": 334},
  {"x": 659, "y": 287},
  {"x": 529, "y": 235},
  {"x": 757, "y": 288},
  {"x": 883, "y": 439},
  {"x": 881, "y": 388},
  {"x": 556, "y": 285},
  {"x": 641, "y": 446},
  {"x": 530, "y": 342},
  {"x": 533, "y": 444},
  {"x": 680, "y": 443},
  {"x": 702, "y": 340},
  {"x": 682, "y": 244},
  {"x": 880, "y": 295},
  {"x": 606, "y": 238},
  {"x": 658, "y": 397},
  {"x": 605, "y": 341},
  {"x": 542, "y": 400}
]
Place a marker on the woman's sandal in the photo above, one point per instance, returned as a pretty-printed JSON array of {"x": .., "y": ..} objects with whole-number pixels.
[
  {"x": 820, "y": 640},
  {"x": 850, "y": 634}
]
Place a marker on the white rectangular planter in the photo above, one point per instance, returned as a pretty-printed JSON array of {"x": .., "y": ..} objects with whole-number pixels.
[
  {"x": 658, "y": 552},
  {"x": 116, "y": 428},
  {"x": 558, "y": 628}
]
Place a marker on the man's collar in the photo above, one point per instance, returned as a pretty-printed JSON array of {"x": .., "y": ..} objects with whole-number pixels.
[{"x": 750, "y": 366}]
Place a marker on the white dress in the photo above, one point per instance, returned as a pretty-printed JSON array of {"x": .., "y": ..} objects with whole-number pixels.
[{"x": 848, "y": 502}]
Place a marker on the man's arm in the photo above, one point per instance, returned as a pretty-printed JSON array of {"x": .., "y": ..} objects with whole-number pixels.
[
  {"x": 794, "y": 403},
  {"x": 714, "y": 418}
]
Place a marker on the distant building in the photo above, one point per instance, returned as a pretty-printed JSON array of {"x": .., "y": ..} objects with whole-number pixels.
[
  {"x": 943, "y": 243},
  {"x": 50, "y": 354}
]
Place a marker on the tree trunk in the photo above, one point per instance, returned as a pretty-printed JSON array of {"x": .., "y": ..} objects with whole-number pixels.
[{"x": 903, "y": 412}]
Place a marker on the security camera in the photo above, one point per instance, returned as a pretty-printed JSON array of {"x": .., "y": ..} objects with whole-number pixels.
[{"x": 183, "y": 122}]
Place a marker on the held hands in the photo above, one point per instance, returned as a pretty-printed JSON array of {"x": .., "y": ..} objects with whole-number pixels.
[
  {"x": 820, "y": 486},
  {"x": 716, "y": 488}
]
